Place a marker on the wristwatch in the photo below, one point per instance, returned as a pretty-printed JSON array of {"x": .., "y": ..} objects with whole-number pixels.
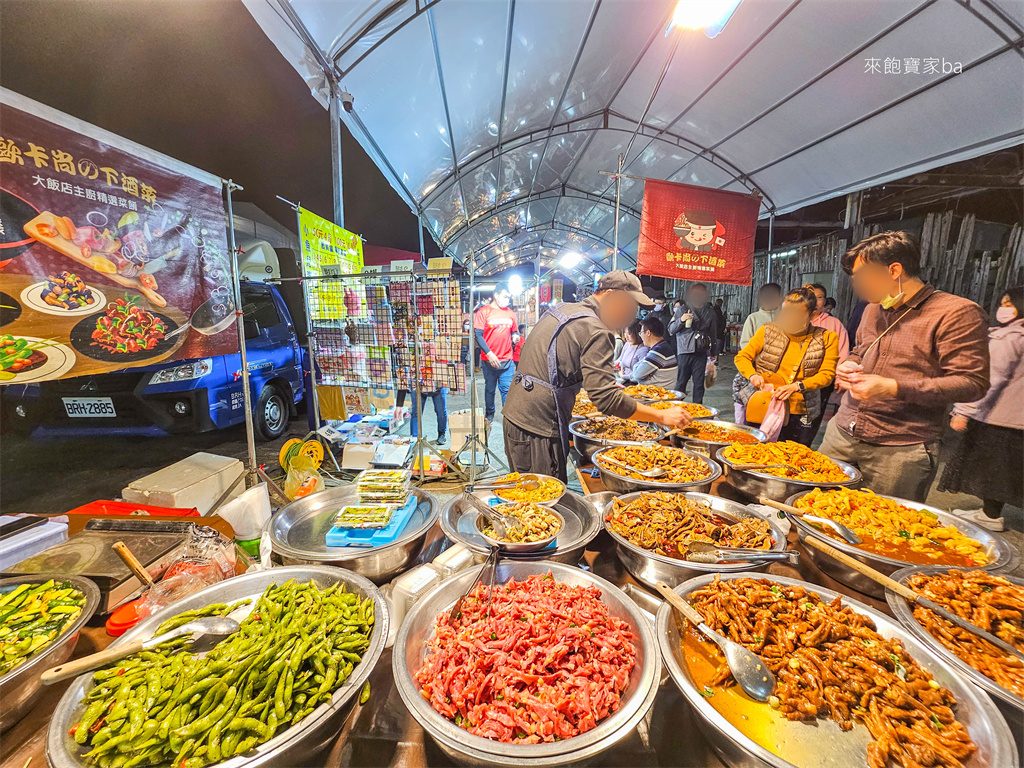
[{"x": 802, "y": 387}]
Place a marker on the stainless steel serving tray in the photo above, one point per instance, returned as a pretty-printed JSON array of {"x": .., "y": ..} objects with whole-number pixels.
[
  {"x": 469, "y": 749},
  {"x": 297, "y": 533},
  {"x": 587, "y": 445},
  {"x": 20, "y": 687},
  {"x": 756, "y": 484},
  {"x": 1004, "y": 556},
  {"x": 714, "y": 412},
  {"x": 820, "y": 743},
  {"x": 614, "y": 481},
  {"x": 710, "y": 446},
  {"x": 650, "y": 567},
  {"x": 582, "y": 524},
  {"x": 904, "y": 612},
  {"x": 295, "y": 745}
]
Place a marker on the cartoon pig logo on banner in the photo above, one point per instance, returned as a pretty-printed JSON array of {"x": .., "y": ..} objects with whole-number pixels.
[{"x": 699, "y": 231}]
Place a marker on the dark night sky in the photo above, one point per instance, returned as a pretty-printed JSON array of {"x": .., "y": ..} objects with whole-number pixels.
[{"x": 197, "y": 80}]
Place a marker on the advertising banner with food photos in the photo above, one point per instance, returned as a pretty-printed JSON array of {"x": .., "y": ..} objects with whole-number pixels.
[
  {"x": 697, "y": 233},
  {"x": 112, "y": 255}
]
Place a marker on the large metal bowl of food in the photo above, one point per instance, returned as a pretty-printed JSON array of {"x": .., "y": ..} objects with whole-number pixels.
[
  {"x": 756, "y": 483},
  {"x": 581, "y": 523},
  {"x": 56, "y": 639},
  {"x": 528, "y": 487},
  {"x": 297, "y": 744},
  {"x": 696, "y": 410},
  {"x": 686, "y": 470},
  {"x": 988, "y": 550},
  {"x": 965, "y": 592},
  {"x": 651, "y": 393},
  {"x": 750, "y": 734},
  {"x": 709, "y": 435},
  {"x": 419, "y": 643},
  {"x": 298, "y": 532},
  {"x": 703, "y": 515},
  {"x": 593, "y": 434}
]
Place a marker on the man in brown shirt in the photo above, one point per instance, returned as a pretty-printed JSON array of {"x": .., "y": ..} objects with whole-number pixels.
[{"x": 919, "y": 350}]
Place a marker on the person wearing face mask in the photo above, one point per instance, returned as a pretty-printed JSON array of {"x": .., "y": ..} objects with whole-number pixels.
[
  {"x": 988, "y": 461},
  {"x": 496, "y": 330},
  {"x": 918, "y": 351},
  {"x": 661, "y": 311},
  {"x": 794, "y": 360},
  {"x": 571, "y": 348}
]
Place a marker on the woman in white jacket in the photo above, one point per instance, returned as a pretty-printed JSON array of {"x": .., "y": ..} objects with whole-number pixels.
[{"x": 988, "y": 462}]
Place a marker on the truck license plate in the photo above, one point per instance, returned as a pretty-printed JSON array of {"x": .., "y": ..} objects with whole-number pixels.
[{"x": 88, "y": 407}]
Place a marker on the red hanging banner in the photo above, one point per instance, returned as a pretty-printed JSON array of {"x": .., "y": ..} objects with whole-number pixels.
[{"x": 697, "y": 233}]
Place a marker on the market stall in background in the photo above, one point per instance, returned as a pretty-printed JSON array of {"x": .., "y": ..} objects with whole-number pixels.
[{"x": 702, "y": 595}]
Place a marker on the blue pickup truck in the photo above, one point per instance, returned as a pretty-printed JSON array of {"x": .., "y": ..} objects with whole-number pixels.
[{"x": 181, "y": 397}]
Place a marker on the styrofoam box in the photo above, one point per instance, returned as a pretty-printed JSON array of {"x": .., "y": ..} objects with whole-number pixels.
[{"x": 198, "y": 481}]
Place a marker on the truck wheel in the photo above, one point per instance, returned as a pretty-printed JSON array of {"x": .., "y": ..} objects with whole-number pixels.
[{"x": 271, "y": 413}]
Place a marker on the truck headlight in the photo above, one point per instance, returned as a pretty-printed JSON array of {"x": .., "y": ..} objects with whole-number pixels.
[{"x": 184, "y": 372}]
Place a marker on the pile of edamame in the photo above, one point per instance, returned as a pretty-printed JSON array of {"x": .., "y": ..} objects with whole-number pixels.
[{"x": 169, "y": 706}]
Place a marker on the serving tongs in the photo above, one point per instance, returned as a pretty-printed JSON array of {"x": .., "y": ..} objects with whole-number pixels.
[
  {"x": 528, "y": 482},
  {"x": 501, "y": 523},
  {"x": 845, "y": 533},
  {"x": 653, "y": 472},
  {"x": 487, "y": 573},
  {"x": 746, "y": 667},
  {"x": 910, "y": 595},
  {"x": 706, "y": 552}
]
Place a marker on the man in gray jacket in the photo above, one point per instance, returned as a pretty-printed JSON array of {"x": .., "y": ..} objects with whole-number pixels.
[{"x": 693, "y": 326}]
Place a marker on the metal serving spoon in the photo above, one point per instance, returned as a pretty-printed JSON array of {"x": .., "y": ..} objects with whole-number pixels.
[
  {"x": 706, "y": 552},
  {"x": 653, "y": 472},
  {"x": 210, "y": 627},
  {"x": 844, "y": 532},
  {"x": 529, "y": 482},
  {"x": 747, "y": 668}
]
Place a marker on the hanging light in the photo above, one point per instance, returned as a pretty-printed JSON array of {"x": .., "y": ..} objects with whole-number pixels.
[
  {"x": 708, "y": 15},
  {"x": 570, "y": 259},
  {"x": 515, "y": 284}
]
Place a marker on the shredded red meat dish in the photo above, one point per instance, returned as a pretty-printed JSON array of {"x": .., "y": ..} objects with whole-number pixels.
[{"x": 549, "y": 663}]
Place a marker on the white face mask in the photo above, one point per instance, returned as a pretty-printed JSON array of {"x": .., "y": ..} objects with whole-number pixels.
[{"x": 1006, "y": 315}]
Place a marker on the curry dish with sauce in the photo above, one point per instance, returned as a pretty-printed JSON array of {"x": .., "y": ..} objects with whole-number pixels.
[{"x": 894, "y": 530}]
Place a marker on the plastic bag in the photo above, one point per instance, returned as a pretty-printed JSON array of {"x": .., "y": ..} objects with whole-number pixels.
[
  {"x": 303, "y": 479},
  {"x": 710, "y": 374},
  {"x": 774, "y": 419}
]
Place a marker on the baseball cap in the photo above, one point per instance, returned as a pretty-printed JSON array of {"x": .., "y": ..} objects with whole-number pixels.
[{"x": 620, "y": 280}]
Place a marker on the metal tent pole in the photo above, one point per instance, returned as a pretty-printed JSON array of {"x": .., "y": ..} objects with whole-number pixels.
[
  {"x": 250, "y": 430},
  {"x": 771, "y": 232},
  {"x": 618, "y": 198},
  {"x": 472, "y": 369},
  {"x": 336, "y": 162}
]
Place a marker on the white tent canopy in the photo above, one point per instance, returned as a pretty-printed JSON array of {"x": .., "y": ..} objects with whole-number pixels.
[{"x": 494, "y": 119}]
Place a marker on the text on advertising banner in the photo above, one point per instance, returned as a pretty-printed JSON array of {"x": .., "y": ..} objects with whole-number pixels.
[
  {"x": 696, "y": 233},
  {"x": 106, "y": 249}
]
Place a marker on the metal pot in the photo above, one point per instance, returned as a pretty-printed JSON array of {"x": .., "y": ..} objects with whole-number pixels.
[
  {"x": 20, "y": 687},
  {"x": 469, "y": 749},
  {"x": 582, "y": 524},
  {"x": 804, "y": 742},
  {"x": 587, "y": 445},
  {"x": 710, "y": 447},
  {"x": 904, "y": 613},
  {"x": 650, "y": 567},
  {"x": 613, "y": 481},
  {"x": 1004, "y": 556},
  {"x": 297, "y": 533},
  {"x": 296, "y": 745},
  {"x": 756, "y": 484}
]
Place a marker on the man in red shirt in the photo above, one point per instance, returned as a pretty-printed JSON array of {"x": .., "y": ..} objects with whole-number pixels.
[{"x": 496, "y": 330}]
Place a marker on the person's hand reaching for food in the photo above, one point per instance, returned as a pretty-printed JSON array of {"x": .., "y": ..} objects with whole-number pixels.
[{"x": 675, "y": 418}]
